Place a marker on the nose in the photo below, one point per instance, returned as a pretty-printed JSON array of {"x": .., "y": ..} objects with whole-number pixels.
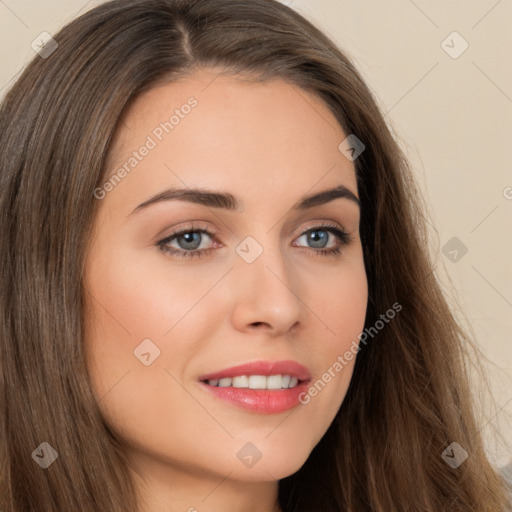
[{"x": 265, "y": 295}]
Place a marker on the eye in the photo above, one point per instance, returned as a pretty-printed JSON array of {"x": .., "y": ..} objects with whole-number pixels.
[
  {"x": 319, "y": 237},
  {"x": 190, "y": 238}
]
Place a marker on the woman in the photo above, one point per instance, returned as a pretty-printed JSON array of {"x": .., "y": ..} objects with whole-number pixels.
[{"x": 300, "y": 357}]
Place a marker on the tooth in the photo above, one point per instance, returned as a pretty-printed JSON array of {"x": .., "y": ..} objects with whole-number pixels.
[
  {"x": 293, "y": 382},
  {"x": 225, "y": 382},
  {"x": 274, "y": 382},
  {"x": 257, "y": 382},
  {"x": 241, "y": 382}
]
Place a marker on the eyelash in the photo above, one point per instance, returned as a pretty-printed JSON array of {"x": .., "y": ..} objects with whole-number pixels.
[{"x": 344, "y": 237}]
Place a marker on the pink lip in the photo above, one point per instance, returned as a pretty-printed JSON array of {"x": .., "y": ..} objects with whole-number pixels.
[
  {"x": 291, "y": 368},
  {"x": 263, "y": 401}
]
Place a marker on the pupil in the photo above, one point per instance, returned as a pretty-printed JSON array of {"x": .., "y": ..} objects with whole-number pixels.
[
  {"x": 190, "y": 238},
  {"x": 318, "y": 238}
]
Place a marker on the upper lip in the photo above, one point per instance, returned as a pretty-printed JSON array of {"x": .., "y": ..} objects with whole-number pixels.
[{"x": 266, "y": 368}]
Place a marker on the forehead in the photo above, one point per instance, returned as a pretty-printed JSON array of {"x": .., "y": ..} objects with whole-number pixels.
[
  {"x": 229, "y": 95},
  {"x": 232, "y": 132}
]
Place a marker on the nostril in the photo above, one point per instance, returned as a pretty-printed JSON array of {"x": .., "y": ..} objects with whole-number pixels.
[{"x": 258, "y": 324}]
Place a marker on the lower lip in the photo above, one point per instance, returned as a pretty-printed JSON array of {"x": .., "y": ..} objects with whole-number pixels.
[{"x": 263, "y": 401}]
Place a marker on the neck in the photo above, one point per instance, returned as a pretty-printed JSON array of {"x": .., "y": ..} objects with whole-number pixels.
[{"x": 167, "y": 489}]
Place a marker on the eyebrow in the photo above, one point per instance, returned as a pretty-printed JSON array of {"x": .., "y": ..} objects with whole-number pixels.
[{"x": 227, "y": 201}]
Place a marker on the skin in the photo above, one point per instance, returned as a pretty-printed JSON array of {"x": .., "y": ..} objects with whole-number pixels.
[{"x": 269, "y": 144}]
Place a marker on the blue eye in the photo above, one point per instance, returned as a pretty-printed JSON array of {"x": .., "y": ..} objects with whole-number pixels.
[
  {"x": 319, "y": 236},
  {"x": 189, "y": 240}
]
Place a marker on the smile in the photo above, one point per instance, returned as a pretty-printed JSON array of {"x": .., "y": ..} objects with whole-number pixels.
[{"x": 263, "y": 387}]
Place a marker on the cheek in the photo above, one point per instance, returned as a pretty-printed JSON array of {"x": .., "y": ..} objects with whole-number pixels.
[
  {"x": 142, "y": 295},
  {"x": 340, "y": 308},
  {"x": 130, "y": 307},
  {"x": 131, "y": 302},
  {"x": 339, "y": 302}
]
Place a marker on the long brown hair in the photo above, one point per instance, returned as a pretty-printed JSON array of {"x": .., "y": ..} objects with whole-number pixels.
[{"x": 409, "y": 397}]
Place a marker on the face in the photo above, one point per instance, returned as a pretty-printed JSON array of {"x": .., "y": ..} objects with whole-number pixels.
[{"x": 261, "y": 277}]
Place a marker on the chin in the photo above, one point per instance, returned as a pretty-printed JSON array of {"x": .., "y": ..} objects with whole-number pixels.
[{"x": 273, "y": 465}]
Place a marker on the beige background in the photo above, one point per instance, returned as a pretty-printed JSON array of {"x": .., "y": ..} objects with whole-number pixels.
[{"x": 451, "y": 113}]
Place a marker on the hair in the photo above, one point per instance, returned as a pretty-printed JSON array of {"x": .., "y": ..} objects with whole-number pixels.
[{"x": 409, "y": 397}]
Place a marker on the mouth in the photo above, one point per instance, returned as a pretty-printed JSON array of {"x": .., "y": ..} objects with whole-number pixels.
[{"x": 264, "y": 387}]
